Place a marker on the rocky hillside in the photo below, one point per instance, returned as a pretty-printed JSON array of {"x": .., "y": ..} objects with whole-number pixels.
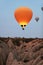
[{"x": 21, "y": 51}]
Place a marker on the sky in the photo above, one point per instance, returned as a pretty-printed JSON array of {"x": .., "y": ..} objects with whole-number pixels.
[{"x": 8, "y": 24}]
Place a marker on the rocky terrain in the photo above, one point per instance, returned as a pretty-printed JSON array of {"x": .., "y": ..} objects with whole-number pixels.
[{"x": 21, "y": 51}]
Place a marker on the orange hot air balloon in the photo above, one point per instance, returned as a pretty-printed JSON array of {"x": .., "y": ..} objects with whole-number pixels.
[{"x": 23, "y": 16}]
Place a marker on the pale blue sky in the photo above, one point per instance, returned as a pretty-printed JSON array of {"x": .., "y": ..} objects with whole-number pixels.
[{"x": 9, "y": 26}]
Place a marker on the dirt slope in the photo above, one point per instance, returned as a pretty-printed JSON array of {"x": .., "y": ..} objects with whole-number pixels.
[{"x": 21, "y": 51}]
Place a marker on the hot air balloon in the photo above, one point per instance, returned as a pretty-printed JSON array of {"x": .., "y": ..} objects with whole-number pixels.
[
  {"x": 23, "y": 15},
  {"x": 42, "y": 8},
  {"x": 36, "y": 18}
]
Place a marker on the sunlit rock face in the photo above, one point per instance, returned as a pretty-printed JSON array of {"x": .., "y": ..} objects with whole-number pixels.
[{"x": 21, "y": 51}]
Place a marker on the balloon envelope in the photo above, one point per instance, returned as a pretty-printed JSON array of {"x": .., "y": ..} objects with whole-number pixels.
[
  {"x": 42, "y": 8},
  {"x": 36, "y": 18},
  {"x": 23, "y": 16}
]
